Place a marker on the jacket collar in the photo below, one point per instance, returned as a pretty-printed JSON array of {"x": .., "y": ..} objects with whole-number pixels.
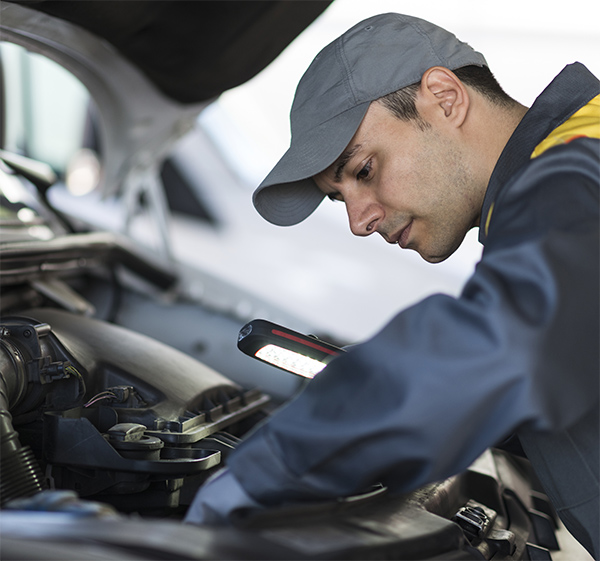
[{"x": 567, "y": 93}]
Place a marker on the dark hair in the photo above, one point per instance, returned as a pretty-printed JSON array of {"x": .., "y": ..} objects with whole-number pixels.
[{"x": 401, "y": 103}]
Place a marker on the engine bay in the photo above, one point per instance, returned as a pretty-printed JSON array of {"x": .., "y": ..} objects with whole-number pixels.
[
  {"x": 108, "y": 434},
  {"x": 111, "y": 413}
]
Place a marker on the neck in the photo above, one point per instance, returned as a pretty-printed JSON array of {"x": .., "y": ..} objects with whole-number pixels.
[{"x": 492, "y": 128}]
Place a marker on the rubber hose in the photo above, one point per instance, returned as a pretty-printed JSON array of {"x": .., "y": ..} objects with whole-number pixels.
[{"x": 20, "y": 473}]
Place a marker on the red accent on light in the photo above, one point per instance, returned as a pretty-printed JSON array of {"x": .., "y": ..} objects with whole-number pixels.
[
  {"x": 304, "y": 342},
  {"x": 575, "y": 138}
]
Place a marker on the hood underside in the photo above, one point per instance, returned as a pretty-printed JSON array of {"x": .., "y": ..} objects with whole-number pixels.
[{"x": 192, "y": 50}]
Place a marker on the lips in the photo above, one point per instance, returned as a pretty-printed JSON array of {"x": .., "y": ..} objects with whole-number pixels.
[{"x": 404, "y": 235}]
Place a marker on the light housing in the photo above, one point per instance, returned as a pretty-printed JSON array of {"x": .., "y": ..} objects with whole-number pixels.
[{"x": 303, "y": 355}]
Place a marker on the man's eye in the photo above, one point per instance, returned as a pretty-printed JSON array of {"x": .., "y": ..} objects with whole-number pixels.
[{"x": 364, "y": 172}]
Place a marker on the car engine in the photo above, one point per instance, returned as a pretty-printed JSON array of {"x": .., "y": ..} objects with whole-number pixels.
[{"x": 112, "y": 414}]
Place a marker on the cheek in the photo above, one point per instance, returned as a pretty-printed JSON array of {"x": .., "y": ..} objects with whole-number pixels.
[
  {"x": 398, "y": 187},
  {"x": 409, "y": 192},
  {"x": 414, "y": 177}
]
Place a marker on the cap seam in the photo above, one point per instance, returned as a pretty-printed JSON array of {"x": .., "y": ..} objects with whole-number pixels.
[
  {"x": 334, "y": 117},
  {"x": 340, "y": 49},
  {"x": 441, "y": 60}
]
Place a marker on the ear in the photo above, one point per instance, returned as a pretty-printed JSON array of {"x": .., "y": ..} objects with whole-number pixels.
[{"x": 444, "y": 95}]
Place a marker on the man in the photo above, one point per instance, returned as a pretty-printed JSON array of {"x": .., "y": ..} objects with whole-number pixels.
[{"x": 406, "y": 125}]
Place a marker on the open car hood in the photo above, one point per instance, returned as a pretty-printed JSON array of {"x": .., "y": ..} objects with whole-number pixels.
[
  {"x": 151, "y": 66},
  {"x": 192, "y": 51}
]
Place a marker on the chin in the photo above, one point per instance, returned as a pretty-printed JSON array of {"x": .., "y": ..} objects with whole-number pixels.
[
  {"x": 439, "y": 253},
  {"x": 435, "y": 259}
]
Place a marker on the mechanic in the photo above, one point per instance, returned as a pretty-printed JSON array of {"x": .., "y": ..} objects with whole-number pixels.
[{"x": 406, "y": 125}]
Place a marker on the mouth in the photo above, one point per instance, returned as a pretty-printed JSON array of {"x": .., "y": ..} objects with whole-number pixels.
[
  {"x": 403, "y": 235},
  {"x": 400, "y": 237}
]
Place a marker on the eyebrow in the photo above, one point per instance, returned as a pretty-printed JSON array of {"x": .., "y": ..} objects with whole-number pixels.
[{"x": 342, "y": 161}]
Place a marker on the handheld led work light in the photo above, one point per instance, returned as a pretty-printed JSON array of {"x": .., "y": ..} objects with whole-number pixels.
[{"x": 289, "y": 350}]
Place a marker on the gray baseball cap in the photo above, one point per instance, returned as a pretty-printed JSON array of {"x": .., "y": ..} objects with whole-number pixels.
[{"x": 378, "y": 56}]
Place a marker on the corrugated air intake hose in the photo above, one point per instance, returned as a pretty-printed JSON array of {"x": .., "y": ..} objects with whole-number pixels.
[{"x": 20, "y": 473}]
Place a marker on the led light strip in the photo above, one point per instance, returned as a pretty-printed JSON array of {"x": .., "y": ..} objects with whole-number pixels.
[{"x": 290, "y": 360}]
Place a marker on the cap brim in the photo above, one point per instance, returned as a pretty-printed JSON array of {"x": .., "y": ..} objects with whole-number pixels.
[{"x": 288, "y": 194}]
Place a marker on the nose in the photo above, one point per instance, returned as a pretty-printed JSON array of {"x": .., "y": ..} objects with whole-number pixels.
[{"x": 363, "y": 217}]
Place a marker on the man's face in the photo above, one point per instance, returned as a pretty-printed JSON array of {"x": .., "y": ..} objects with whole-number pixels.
[{"x": 412, "y": 185}]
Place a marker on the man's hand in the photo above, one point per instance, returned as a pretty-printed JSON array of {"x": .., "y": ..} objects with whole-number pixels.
[{"x": 218, "y": 500}]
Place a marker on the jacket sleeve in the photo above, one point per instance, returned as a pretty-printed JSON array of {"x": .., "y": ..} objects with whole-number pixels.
[{"x": 450, "y": 377}]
